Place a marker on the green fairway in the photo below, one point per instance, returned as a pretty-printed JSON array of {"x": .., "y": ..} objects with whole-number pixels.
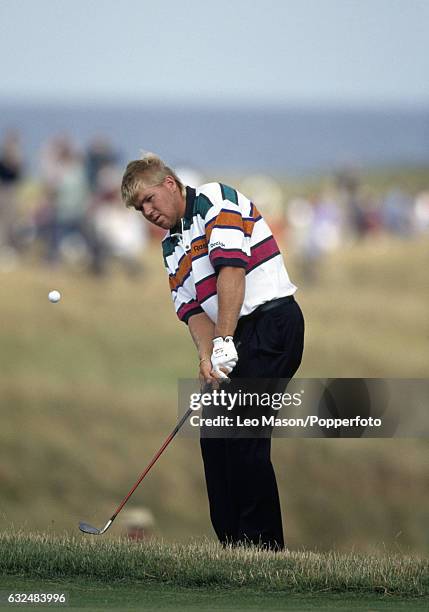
[{"x": 95, "y": 595}]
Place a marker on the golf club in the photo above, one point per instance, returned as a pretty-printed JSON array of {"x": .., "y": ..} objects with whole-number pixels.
[{"x": 85, "y": 528}]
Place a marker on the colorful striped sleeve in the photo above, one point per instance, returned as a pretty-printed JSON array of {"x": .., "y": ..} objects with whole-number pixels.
[
  {"x": 187, "y": 309},
  {"x": 185, "y": 302},
  {"x": 228, "y": 237}
]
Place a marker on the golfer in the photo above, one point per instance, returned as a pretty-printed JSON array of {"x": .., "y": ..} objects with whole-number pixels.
[{"x": 230, "y": 286}]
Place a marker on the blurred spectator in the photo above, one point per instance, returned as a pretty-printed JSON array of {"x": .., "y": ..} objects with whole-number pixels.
[
  {"x": 327, "y": 224},
  {"x": 421, "y": 212},
  {"x": 362, "y": 219},
  {"x": 11, "y": 159},
  {"x": 299, "y": 217},
  {"x": 100, "y": 154},
  {"x": 360, "y": 206},
  {"x": 396, "y": 212},
  {"x": 348, "y": 184},
  {"x": 52, "y": 155},
  {"x": 11, "y": 173},
  {"x": 64, "y": 217},
  {"x": 372, "y": 222},
  {"x": 316, "y": 229},
  {"x": 117, "y": 232}
]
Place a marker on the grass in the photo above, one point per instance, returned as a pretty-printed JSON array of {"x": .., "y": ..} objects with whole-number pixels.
[
  {"x": 110, "y": 573},
  {"x": 84, "y": 594},
  {"x": 206, "y": 564}
]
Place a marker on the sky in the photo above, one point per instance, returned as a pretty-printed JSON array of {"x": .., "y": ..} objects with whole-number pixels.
[{"x": 314, "y": 52}]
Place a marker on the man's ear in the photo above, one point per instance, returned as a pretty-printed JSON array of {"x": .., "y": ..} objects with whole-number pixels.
[{"x": 170, "y": 183}]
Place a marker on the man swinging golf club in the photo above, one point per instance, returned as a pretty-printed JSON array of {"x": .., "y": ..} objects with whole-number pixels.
[{"x": 230, "y": 286}]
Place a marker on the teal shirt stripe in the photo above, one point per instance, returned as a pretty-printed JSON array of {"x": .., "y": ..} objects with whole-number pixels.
[
  {"x": 228, "y": 193},
  {"x": 202, "y": 205},
  {"x": 168, "y": 247}
]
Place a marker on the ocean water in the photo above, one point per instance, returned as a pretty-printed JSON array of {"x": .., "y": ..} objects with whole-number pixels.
[{"x": 280, "y": 141}]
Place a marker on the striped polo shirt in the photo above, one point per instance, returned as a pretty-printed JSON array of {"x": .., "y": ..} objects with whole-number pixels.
[{"x": 221, "y": 227}]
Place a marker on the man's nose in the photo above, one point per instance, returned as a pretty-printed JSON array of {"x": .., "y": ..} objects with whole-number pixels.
[{"x": 147, "y": 210}]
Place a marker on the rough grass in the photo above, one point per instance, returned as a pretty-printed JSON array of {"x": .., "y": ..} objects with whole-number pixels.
[{"x": 206, "y": 564}]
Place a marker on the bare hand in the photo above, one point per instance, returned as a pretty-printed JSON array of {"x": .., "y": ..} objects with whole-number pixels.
[{"x": 208, "y": 376}]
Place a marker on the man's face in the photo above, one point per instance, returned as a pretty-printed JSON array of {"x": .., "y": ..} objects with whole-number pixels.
[{"x": 163, "y": 205}]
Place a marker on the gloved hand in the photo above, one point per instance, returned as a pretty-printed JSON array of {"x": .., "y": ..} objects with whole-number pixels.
[{"x": 224, "y": 356}]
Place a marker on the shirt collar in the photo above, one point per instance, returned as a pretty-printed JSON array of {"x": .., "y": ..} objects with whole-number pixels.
[
  {"x": 190, "y": 199},
  {"x": 191, "y": 194}
]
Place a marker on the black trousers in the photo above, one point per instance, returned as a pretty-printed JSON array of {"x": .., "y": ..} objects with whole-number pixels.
[{"x": 241, "y": 484}]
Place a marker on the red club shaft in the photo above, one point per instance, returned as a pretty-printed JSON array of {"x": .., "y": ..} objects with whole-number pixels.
[{"x": 152, "y": 462}]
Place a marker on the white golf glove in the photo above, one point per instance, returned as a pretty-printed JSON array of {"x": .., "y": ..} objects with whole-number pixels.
[{"x": 224, "y": 356}]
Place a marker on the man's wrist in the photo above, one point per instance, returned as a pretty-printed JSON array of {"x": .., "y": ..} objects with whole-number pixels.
[
  {"x": 223, "y": 337},
  {"x": 221, "y": 332}
]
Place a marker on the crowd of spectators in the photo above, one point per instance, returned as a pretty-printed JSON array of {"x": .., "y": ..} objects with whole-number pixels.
[
  {"x": 348, "y": 211},
  {"x": 70, "y": 210}
]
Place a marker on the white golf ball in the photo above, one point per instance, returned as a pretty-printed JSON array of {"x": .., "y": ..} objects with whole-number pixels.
[{"x": 54, "y": 296}]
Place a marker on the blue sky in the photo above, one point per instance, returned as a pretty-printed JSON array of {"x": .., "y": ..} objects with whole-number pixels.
[{"x": 346, "y": 52}]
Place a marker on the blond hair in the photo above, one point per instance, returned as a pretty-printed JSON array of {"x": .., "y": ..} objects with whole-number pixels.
[{"x": 148, "y": 171}]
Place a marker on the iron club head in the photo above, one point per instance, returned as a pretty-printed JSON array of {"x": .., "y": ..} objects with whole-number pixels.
[
  {"x": 93, "y": 530},
  {"x": 89, "y": 529}
]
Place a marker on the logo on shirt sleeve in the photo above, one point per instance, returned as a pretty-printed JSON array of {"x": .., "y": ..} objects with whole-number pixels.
[{"x": 214, "y": 245}]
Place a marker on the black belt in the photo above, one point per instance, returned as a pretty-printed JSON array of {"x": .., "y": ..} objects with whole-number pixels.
[{"x": 288, "y": 299}]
